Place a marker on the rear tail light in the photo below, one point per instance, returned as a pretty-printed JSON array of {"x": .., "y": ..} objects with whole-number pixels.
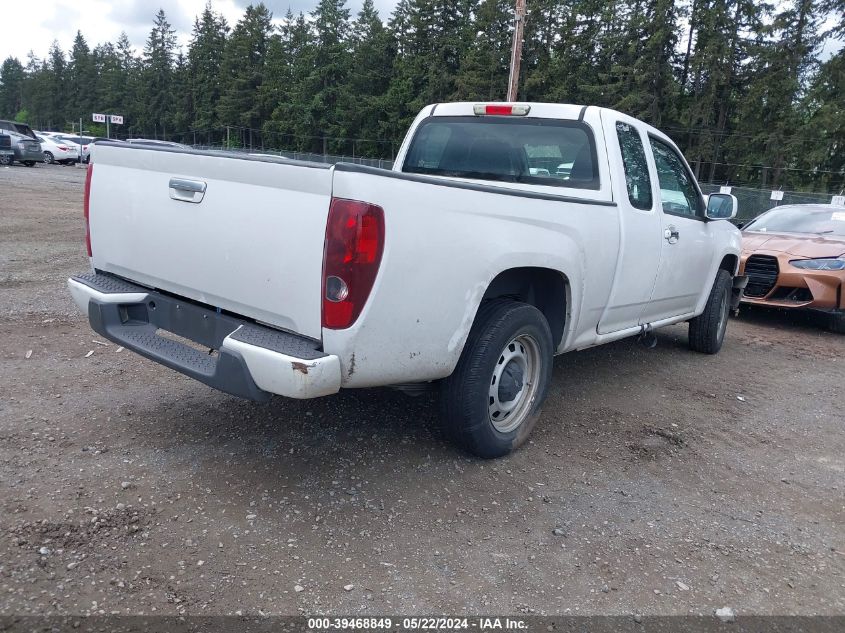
[
  {"x": 351, "y": 259},
  {"x": 86, "y": 206},
  {"x": 501, "y": 109},
  {"x": 62, "y": 147}
]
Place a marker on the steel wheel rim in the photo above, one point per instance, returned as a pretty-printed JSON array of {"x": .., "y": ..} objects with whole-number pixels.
[
  {"x": 723, "y": 316},
  {"x": 514, "y": 383}
]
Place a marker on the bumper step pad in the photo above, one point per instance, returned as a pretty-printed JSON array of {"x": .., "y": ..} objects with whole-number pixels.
[{"x": 135, "y": 326}]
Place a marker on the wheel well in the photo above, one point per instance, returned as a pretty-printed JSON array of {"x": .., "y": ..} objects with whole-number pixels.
[
  {"x": 543, "y": 288},
  {"x": 729, "y": 263}
]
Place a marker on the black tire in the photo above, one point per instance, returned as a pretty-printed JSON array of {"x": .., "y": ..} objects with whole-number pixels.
[
  {"x": 501, "y": 327},
  {"x": 5, "y": 160},
  {"x": 707, "y": 331},
  {"x": 836, "y": 322},
  {"x": 49, "y": 158}
]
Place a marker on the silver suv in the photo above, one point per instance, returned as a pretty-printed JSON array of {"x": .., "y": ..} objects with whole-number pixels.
[{"x": 25, "y": 145}]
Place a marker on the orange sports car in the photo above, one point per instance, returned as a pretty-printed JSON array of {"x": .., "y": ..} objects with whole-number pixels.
[{"x": 794, "y": 257}]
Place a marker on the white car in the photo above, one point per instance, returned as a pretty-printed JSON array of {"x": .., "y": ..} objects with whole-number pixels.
[
  {"x": 453, "y": 270},
  {"x": 58, "y": 151},
  {"x": 83, "y": 142}
]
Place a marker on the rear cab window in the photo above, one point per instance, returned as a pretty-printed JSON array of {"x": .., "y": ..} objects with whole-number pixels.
[
  {"x": 637, "y": 179},
  {"x": 540, "y": 151}
]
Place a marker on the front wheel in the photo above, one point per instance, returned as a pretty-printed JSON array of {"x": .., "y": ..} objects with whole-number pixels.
[
  {"x": 492, "y": 400},
  {"x": 707, "y": 331},
  {"x": 837, "y": 322}
]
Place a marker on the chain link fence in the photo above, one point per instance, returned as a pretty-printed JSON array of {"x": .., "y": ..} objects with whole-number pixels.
[{"x": 753, "y": 202}]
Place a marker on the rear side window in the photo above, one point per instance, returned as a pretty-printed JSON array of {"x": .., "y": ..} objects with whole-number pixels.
[
  {"x": 637, "y": 179},
  {"x": 504, "y": 149}
]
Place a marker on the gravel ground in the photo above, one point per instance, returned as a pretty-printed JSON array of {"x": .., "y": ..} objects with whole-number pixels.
[{"x": 657, "y": 481}]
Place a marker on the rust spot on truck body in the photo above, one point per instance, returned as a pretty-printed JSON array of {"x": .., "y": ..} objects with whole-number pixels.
[{"x": 301, "y": 367}]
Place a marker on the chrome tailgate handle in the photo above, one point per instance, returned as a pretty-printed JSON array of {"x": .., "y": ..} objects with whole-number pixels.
[{"x": 187, "y": 190}]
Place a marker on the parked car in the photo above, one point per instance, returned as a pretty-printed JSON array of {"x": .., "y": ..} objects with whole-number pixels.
[
  {"x": 155, "y": 142},
  {"x": 7, "y": 154},
  {"x": 83, "y": 142},
  {"x": 564, "y": 169},
  {"x": 458, "y": 270},
  {"x": 55, "y": 150},
  {"x": 794, "y": 257},
  {"x": 17, "y": 128},
  {"x": 26, "y": 149}
]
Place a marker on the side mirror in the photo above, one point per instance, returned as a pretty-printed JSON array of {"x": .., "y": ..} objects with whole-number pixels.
[{"x": 721, "y": 206}]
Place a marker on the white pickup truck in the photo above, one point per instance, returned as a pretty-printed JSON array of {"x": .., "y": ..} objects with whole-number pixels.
[{"x": 467, "y": 267}]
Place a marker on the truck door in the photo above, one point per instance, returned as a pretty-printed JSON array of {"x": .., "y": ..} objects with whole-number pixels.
[
  {"x": 686, "y": 243},
  {"x": 640, "y": 223}
]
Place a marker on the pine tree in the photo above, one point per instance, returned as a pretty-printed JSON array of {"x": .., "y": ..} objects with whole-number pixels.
[
  {"x": 183, "y": 113},
  {"x": 822, "y": 133},
  {"x": 715, "y": 75},
  {"x": 82, "y": 79},
  {"x": 768, "y": 116},
  {"x": 648, "y": 66},
  {"x": 11, "y": 87},
  {"x": 362, "y": 105},
  {"x": 205, "y": 59},
  {"x": 483, "y": 72},
  {"x": 327, "y": 85},
  {"x": 290, "y": 58},
  {"x": 242, "y": 72},
  {"x": 111, "y": 81},
  {"x": 157, "y": 77}
]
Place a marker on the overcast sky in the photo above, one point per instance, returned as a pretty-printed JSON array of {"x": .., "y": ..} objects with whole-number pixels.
[{"x": 34, "y": 24}]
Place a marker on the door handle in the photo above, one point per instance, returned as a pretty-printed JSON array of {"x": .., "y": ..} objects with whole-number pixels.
[
  {"x": 187, "y": 190},
  {"x": 672, "y": 235}
]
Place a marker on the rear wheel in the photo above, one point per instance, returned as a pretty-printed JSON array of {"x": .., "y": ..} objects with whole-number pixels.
[
  {"x": 48, "y": 158},
  {"x": 491, "y": 402},
  {"x": 5, "y": 160},
  {"x": 707, "y": 331}
]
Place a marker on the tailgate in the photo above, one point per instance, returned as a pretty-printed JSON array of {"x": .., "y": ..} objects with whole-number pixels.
[{"x": 241, "y": 234}]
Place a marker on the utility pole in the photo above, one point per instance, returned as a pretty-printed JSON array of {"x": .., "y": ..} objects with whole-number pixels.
[{"x": 516, "y": 52}]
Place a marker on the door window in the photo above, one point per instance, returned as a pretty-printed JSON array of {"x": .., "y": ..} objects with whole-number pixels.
[
  {"x": 678, "y": 192},
  {"x": 637, "y": 179}
]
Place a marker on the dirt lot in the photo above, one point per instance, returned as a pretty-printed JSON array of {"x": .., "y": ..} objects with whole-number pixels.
[{"x": 679, "y": 483}]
